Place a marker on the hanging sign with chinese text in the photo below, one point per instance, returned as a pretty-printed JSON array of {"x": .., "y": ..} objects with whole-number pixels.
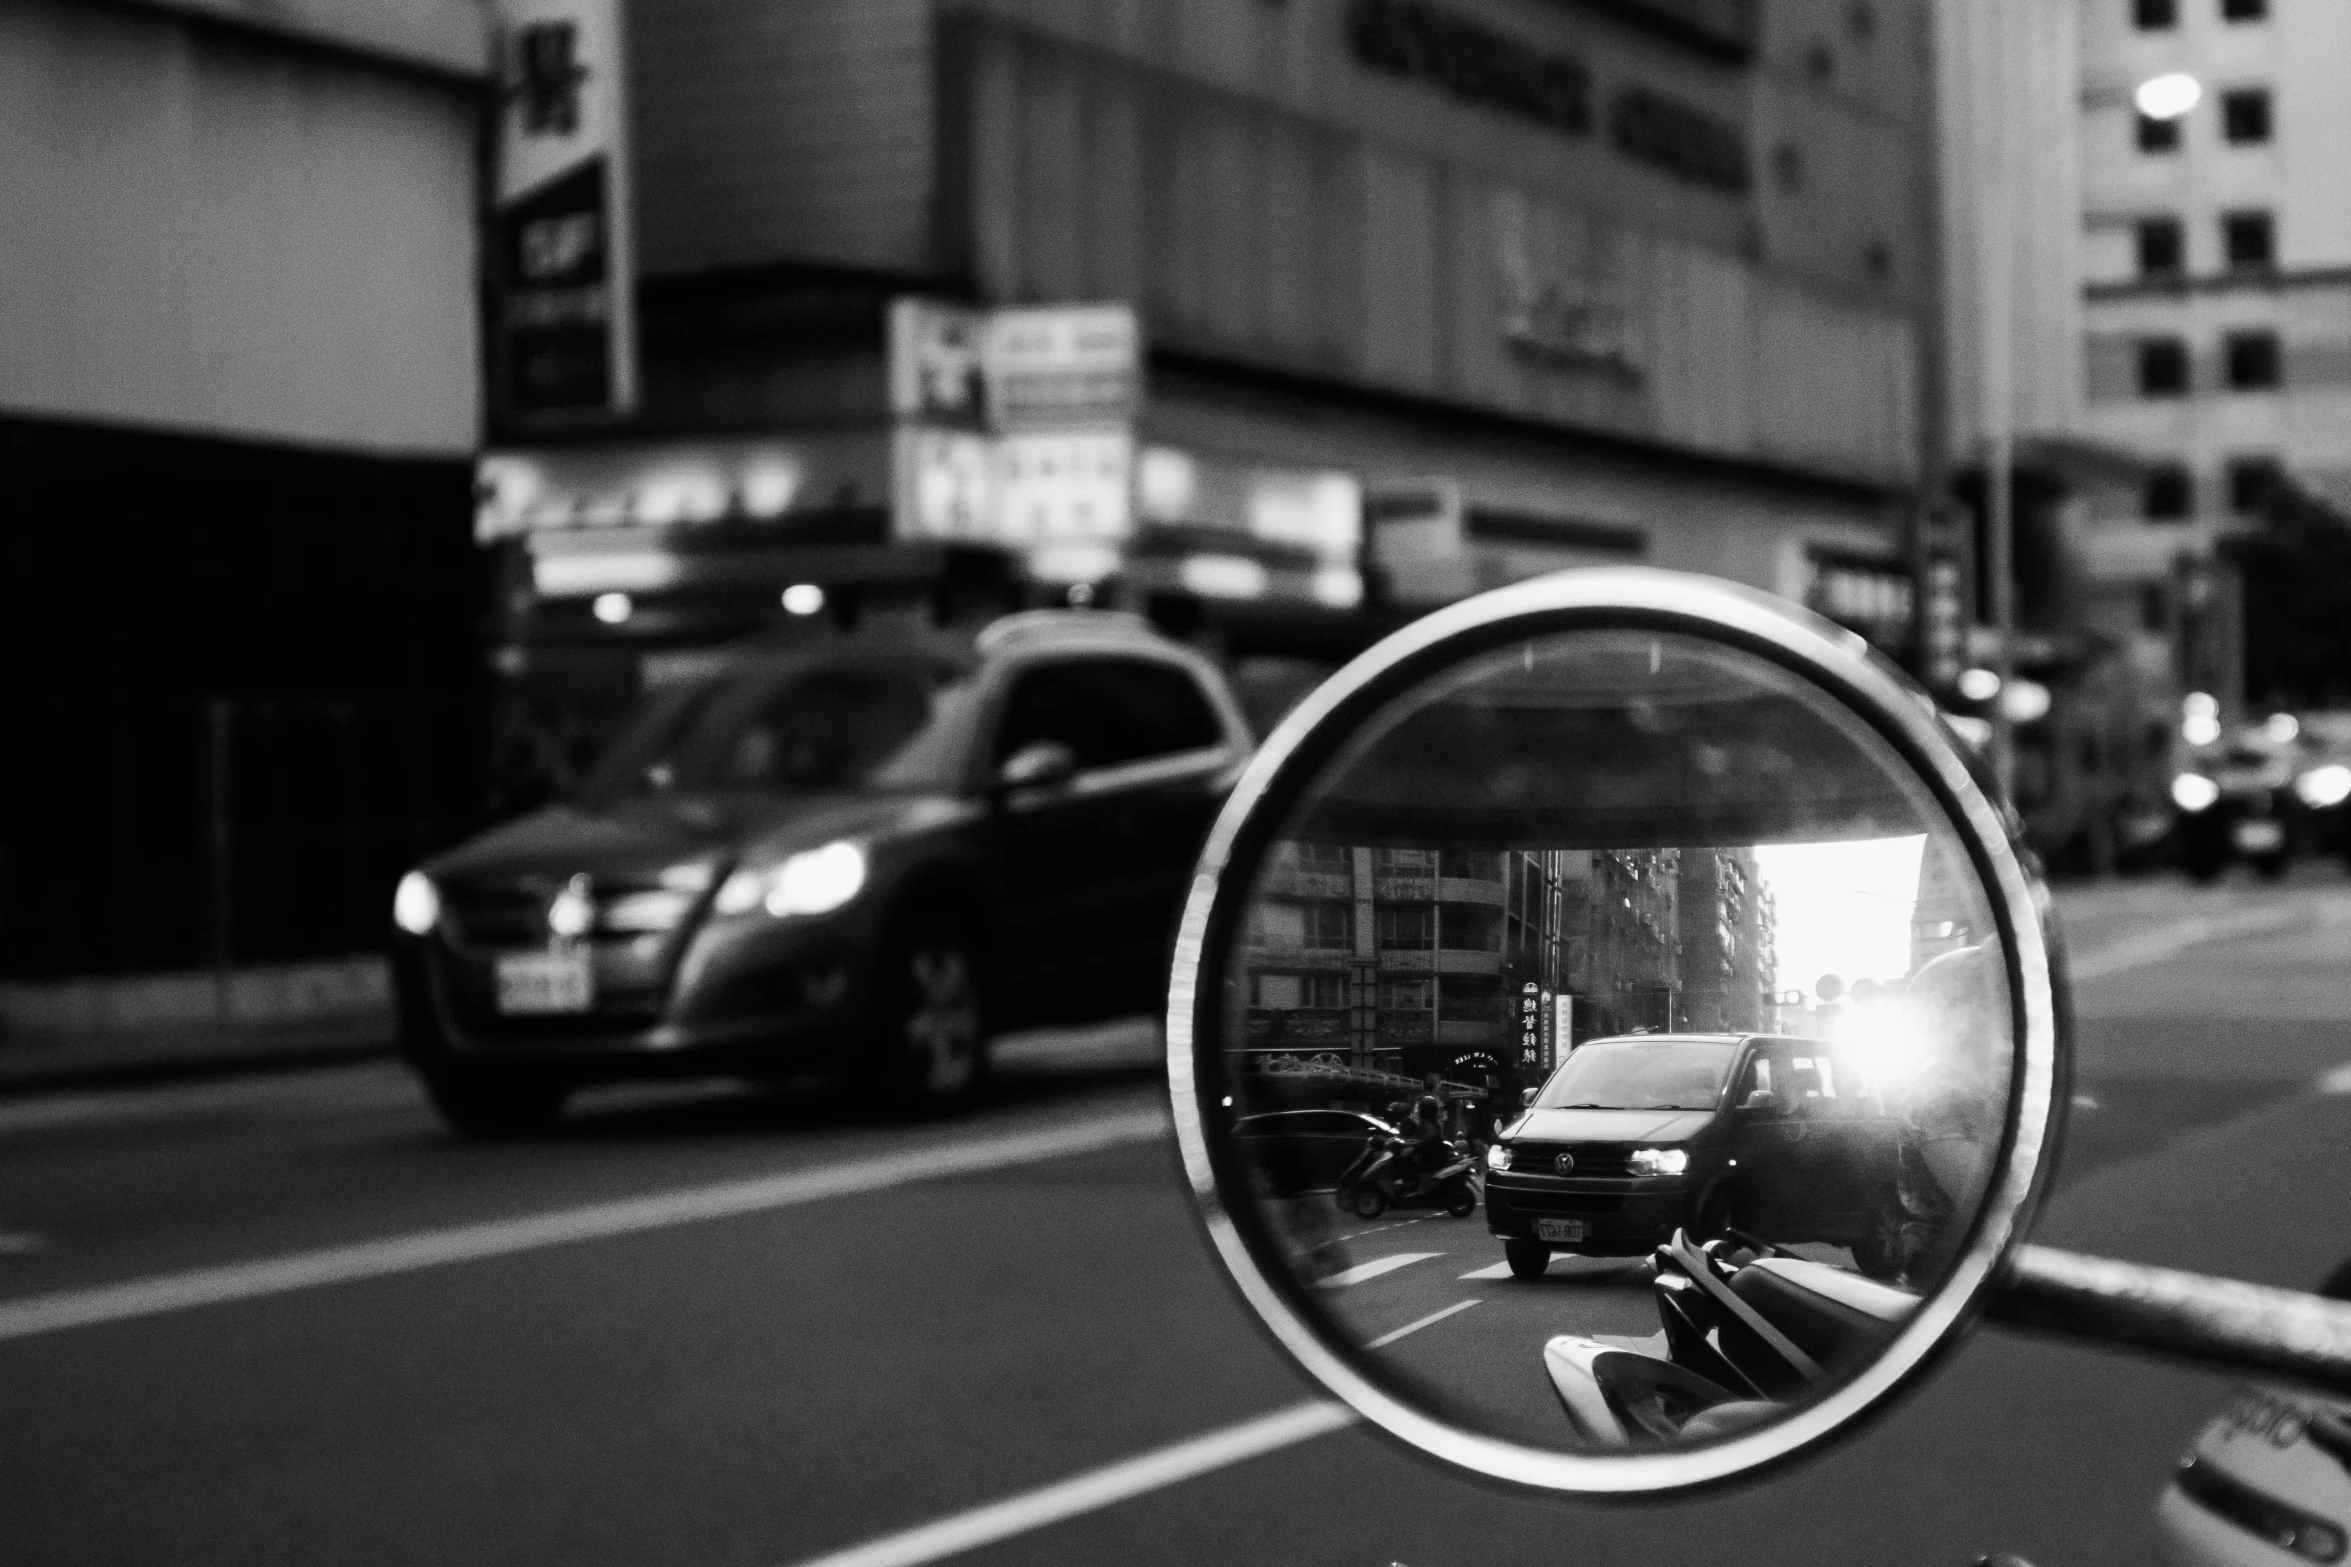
[{"x": 562, "y": 320}]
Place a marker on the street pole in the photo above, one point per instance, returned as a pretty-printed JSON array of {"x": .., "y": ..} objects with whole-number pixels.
[{"x": 1995, "y": 329}]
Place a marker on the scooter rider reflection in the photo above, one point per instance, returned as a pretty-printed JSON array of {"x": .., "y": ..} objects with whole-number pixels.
[{"x": 1955, "y": 1101}]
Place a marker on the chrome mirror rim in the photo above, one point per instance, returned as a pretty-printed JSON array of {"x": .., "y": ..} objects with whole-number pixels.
[{"x": 1832, "y": 658}]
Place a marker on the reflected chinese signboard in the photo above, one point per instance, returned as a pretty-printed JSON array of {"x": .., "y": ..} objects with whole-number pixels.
[{"x": 563, "y": 332}]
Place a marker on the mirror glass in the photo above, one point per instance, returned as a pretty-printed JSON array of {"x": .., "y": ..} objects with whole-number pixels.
[{"x": 1614, "y": 1043}]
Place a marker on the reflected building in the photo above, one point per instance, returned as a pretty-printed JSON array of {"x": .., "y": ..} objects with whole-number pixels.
[
  {"x": 1378, "y": 961},
  {"x": 1484, "y": 965},
  {"x": 1728, "y": 969}
]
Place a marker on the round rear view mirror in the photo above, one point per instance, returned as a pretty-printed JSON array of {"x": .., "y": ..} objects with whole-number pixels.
[{"x": 1612, "y": 1034}]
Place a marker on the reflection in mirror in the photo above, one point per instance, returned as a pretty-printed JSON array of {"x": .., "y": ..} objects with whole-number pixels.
[{"x": 1617, "y": 1043}]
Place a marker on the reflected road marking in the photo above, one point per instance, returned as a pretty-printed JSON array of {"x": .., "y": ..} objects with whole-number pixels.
[
  {"x": 1374, "y": 1268},
  {"x": 1385, "y": 1339},
  {"x": 1499, "y": 1270},
  {"x": 36, "y": 1314},
  {"x": 1095, "y": 1489}
]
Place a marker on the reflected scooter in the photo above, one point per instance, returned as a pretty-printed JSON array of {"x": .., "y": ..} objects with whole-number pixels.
[
  {"x": 1748, "y": 1326},
  {"x": 1383, "y": 1176}
]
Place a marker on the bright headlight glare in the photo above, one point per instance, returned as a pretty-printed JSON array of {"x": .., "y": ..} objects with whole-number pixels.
[
  {"x": 1498, "y": 1157},
  {"x": 742, "y": 892},
  {"x": 2324, "y": 786},
  {"x": 416, "y": 904},
  {"x": 1660, "y": 1161},
  {"x": 2193, "y": 792},
  {"x": 817, "y": 881}
]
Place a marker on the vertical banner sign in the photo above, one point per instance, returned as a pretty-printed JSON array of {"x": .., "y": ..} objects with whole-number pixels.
[
  {"x": 1530, "y": 1033},
  {"x": 1562, "y": 1028},
  {"x": 562, "y": 268}
]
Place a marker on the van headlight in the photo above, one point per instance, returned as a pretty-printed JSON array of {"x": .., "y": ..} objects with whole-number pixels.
[
  {"x": 416, "y": 904},
  {"x": 814, "y": 881},
  {"x": 1659, "y": 1161},
  {"x": 1498, "y": 1157}
]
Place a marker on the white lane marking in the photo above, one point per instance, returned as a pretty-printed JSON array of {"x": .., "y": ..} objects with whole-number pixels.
[
  {"x": 1385, "y": 1339},
  {"x": 1373, "y": 1269},
  {"x": 595, "y": 1221},
  {"x": 2169, "y": 941},
  {"x": 1499, "y": 1270},
  {"x": 2337, "y": 1080},
  {"x": 1093, "y": 1490}
]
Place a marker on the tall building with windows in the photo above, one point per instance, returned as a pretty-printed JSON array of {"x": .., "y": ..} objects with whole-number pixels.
[
  {"x": 1389, "y": 959},
  {"x": 2217, "y": 260}
]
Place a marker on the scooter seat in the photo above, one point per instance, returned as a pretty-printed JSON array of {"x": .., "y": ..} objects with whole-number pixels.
[{"x": 1834, "y": 1316}]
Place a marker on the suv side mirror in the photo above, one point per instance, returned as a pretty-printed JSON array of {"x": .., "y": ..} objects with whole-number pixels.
[
  {"x": 1037, "y": 764},
  {"x": 1526, "y": 1096},
  {"x": 1761, "y": 1101}
]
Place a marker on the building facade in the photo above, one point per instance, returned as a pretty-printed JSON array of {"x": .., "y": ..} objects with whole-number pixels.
[
  {"x": 1430, "y": 294},
  {"x": 239, "y": 407},
  {"x": 1485, "y": 967}
]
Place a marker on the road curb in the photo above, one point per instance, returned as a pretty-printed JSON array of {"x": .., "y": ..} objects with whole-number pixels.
[{"x": 28, "y": 1068}]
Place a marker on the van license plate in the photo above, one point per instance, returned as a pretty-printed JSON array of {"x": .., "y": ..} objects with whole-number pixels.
[
  {"x": 1559, "y": 1229},
  {"x": 2260, "y": 837},
  {"x": 535, "y": 983}
]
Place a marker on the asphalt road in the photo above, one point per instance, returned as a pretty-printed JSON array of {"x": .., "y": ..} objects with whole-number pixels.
[{"x": 288, "y": 1319}]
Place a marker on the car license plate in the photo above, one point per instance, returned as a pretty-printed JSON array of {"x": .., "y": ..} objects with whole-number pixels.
[
  {"x": 2260, "y": 837},
  {"x": 543, "y": 982},
  {"x": 1559, "y": 1229}
]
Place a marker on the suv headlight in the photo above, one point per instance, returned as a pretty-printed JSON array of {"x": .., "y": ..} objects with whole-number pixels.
[
  {"x": 1659, "y": 1161},
  {"x": 416, "y": 904},
  {"x": 814, "y": 881},
  {"x": 1498, "y": 1157},
  {"x": 2324, "y": 786}
]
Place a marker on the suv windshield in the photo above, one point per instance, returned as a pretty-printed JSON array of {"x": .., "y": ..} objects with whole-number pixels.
[
  {"x": 1641, "y": 1074},
  {"x": 792, "y": 728}
]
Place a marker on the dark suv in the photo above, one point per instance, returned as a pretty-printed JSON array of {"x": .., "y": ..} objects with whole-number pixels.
[
  {"x": 848, "y": 856},
  {"x": 1783, "y": 1139}
]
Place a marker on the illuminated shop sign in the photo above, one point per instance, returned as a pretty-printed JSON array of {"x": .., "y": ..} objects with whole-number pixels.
[
  {"x": 1481, "y": 65},
  {"x": 1878, "y": 600},
  {"x": 1240, "y": 531},
  {"x": 563, "y": 332},
  {"x": 1015, "y": 428},
  {"x": 678, "y": 484}
]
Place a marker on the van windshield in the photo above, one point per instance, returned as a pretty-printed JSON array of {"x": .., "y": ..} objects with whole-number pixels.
[{"x": 1641, "y": 1074}]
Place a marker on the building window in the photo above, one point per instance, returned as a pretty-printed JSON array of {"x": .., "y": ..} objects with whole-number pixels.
[
  {"x": 2253, "y": 361},
  {"x": 1406, "y": 995},
  {"x": 2249, "y": 239},
  {"x": 1330, "y": 926},
  {"x": 2158, "y": 135},
  {"x": 2244, "y": 10},
  {"x": 2244, "y": 114},
  {"x": 2162, "y": 247},
  {"x": 1322, "y": 990},
  {"x": 2250, "y": 479},
  {"x": 2152, "y": 14},
  {"x": 1325, "y": 855},
  {"x": 2170, "y": 494},
  {"x": 1408, "y": 925},
  {"x": 2163, "y": 367}
]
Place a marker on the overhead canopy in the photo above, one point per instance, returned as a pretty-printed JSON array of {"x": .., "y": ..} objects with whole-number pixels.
[{"x": 1687, "y": 765}]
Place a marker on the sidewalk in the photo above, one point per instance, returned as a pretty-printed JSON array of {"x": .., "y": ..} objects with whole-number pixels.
[{"x": 65, "y": 1032}]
